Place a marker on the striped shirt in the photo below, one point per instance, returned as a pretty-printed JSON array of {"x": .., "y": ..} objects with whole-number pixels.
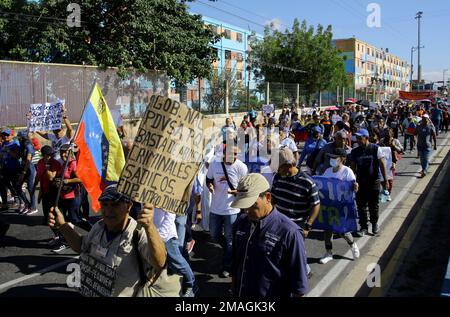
[{"x": 295, "y": 196}]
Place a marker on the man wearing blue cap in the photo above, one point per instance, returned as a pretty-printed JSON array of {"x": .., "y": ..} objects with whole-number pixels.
[
  {"x": 312, "y": 147},
  {"x": 9, "y": 167},
  {"x": 366, "y": 161}
]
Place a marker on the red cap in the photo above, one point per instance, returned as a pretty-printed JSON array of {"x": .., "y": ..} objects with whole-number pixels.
[{"x": 36, "y": 144}]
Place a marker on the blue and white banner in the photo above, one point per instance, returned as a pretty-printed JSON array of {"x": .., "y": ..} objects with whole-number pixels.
[{"x": 338, "y": 211}]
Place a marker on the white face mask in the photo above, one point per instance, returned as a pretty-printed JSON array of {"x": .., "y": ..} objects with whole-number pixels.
[{"x": 334, "y": 162}]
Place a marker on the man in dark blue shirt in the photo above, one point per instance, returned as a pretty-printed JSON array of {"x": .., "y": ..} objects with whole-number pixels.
[{"x": 269, "y": 258}]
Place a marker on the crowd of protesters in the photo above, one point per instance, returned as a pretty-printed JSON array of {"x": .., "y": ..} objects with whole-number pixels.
[{"x": 260, "y": 213}]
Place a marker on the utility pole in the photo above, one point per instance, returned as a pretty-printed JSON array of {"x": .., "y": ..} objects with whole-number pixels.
[
  {"x": 419, "y": 71},
  {"x": 443, "y": 77}
]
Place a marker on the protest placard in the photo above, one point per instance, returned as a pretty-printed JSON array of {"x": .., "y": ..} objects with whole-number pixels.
[
  {"x": 46, "y": 116},
  {"x": 96, "y": 278},
  {"x": 166, "y": 155},
  {"x": 337, "y": 205},
  {"x": 387, "y": 154},
  {"x": 268, "y": 108}
]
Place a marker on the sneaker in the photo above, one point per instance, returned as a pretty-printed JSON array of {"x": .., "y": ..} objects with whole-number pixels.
[
  {"x": 190, "y": 245},
  {"x": 309, "y": 275},
  {"x": 31, "y": 212},
  {"x": 375, "y": 228},
  {"x": 189, "y": 292},
  {"x": 355, "y": 251},
  {"x": 361, "y": 233},
  {"x": 23, "y": 211},
  {"x": 54, "y": 241},
  {"x": 224, "y": 274},
  {"x": 327, "y": 257},
  {"x": 60, "y": 248},
  {"x": 389, "y": 198}
]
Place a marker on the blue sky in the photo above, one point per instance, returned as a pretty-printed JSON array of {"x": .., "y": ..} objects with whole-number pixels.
[{"x": 398, "y": 30}]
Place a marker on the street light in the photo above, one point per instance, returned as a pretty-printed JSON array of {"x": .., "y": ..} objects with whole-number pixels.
[
  {"x": 419, "y": 71},
  {"x": 413, "y": 49}
]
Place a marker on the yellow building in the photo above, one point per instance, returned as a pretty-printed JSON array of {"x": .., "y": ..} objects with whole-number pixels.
[{"x": 375, "y": 73}]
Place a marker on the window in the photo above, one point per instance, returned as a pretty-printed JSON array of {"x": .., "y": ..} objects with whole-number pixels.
[
  {"x": 227, "y": 54},
  {"x": 239, "y": 37},
  {"x": 239, "y": 75},
  {"x": 227, "y": 34},
  {"x": 239, "y": 57},
  {"x": 358, "y": 47}
]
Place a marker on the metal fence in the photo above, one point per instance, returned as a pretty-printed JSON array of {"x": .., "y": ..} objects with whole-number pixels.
[
  {"x": 213, "y": 100},
  {"x": 22, "y": 84}
]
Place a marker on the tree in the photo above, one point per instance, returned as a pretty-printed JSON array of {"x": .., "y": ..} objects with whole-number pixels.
[
  {"x": 142, "y": 34},
  {"x": 302, "y": 55}
]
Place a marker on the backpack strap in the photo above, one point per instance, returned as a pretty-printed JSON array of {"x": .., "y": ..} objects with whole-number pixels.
[
  {"x": 226, "y": 176},
  {"x": 143, "y": 276}
]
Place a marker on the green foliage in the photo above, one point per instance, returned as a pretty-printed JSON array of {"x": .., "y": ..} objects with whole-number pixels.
[
  {"x": 301, "y": 48},
  {"x": 142, "y": 34}
]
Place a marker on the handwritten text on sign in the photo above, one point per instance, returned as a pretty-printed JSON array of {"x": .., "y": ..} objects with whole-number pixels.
[
  {"x": 46, "y": 116},
  {"x": 97, "y": 279},
  {"x": 166, "y": 155},
  {"x": 337, "y": 205}
]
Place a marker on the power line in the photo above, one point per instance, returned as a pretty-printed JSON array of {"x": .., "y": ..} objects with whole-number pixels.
[
  {"x": 35, "y": 16},
  {"x": 232, "y": 14},
  {"x": 248, "y": 11}
]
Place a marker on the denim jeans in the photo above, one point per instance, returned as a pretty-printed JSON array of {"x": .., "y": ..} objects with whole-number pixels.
[
  {"x": 219, "y": 224},
  {"x": 411, "y": 142},
  {"x": 29, "y": 179},
  {"x": 180, "y": 223},
  {"x": 424, "y": 154},
  {"x": 178, "y": 264}
]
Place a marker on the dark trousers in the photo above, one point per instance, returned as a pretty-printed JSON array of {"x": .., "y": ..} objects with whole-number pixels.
[
  {"x": 84, "y": 201},
  {"x": 11, "y": 181},
  {"x": 367, "y": 196},
  {"x": 48, "y": 202}
]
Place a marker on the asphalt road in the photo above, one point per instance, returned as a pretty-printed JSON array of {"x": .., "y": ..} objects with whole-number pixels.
[{"x": 29, "y": 268}]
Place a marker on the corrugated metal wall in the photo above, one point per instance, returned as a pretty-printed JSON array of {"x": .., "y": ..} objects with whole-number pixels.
[{"x": 22, "y": 84}]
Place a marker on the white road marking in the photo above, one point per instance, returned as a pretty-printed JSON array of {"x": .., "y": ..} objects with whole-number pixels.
[
  {"x": 33, "y": 275},
  {"x": 338, "y": 268}
]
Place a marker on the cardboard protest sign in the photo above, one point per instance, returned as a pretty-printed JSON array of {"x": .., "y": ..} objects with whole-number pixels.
[
  {"x": 268, "y": 108},
  {"x": 96, "y": 278},
  {"x": 387, "y": 154},
  {"x": 337, "y": 205},
  {"x": 166, "y": 155},
  {"x": 46, "y": 116}
]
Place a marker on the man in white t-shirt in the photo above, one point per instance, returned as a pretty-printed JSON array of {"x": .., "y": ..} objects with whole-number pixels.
[
  {"x": 223, "y": 187},
  {"x": 176, "y": 263},
  {"x": 59, "y": 137}
]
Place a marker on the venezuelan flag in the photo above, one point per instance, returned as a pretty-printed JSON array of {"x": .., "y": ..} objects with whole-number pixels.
[{"x": 101, "y": 158}]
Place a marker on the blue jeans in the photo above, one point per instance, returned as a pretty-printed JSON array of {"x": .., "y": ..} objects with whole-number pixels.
[
  {"x": 180, "y": 223},
  {"x": 178, "y": 264},
  {"x": 424, "y": 154},
  {"x": 31, "y": 175},
  {"x": 216, "y": 224}
]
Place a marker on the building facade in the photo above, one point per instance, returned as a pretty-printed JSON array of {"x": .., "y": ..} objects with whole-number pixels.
[
  {"x": 232, "y": 57},
  {"x": 375, "y": 74}
]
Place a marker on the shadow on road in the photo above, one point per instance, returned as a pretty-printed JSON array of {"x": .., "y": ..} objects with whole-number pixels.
[{"x": 41, "y": 290}]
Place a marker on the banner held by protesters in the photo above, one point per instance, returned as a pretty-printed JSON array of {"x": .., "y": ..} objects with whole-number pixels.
[
  {"x": 337, "y": 205},
  {"x": 166, "y": 155},
  {"x": 45, "y": 116}
]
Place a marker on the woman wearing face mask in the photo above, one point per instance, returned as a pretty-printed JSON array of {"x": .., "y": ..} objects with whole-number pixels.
[{"x": 340, "y": 171}]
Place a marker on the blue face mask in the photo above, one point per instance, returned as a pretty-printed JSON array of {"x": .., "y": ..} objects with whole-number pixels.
[{"x": 334, "y": 162}]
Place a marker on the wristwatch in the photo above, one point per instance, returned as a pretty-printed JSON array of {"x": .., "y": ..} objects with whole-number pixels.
[{"x": 307, "y": 226}]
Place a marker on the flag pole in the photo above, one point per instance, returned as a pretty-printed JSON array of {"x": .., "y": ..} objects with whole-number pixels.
[{"x": 66, "y": 163}]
